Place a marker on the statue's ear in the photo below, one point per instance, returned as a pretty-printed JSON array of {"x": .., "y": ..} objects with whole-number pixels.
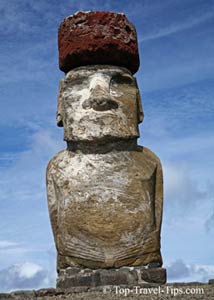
[
  {"x": 59, "y": 115},
  {"x": 140, "y": 114}
]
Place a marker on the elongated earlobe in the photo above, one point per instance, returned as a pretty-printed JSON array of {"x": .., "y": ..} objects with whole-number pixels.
[
  {"x": 59, "y": 120},
  {"x": 140, "y": 114},
  {"x": 59, "y": 115}
]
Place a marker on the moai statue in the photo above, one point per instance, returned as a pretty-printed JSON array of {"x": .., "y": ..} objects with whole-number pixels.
[{"x": 105, "y": 193}]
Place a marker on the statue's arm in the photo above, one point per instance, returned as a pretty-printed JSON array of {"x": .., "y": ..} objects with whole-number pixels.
[
  {"x": 158, "y": 187},
  {"x": 52, "y": 199},
  {"x": 159, "y": 196}
]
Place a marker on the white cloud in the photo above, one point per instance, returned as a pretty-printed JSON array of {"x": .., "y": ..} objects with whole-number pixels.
[
  {"x": 209, "y": 223},
  {"x": 21, "y": 16},
  {"x": 187, "y": 165},
  {"x": 8, "y": 248},
  {"x": 10, "y": 252},
  {"x": 181, "y": 189},
  {"x": 179, "y": 271},
  {"x": 30, "y": 165},
  {"x": 189, "y": 69},
  {"x": 191, "y": 144},
  {"x": 26, "y": 275},
  {"x": 6, "y": 244},
  {"x": 23, "y": 201},
  {"x": 178, "y": 27},
  {"x": 29, "y": 270},
  {"x": 32, "y": 62}
]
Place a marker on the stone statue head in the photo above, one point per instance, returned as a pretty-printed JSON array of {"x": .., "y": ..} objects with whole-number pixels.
[{"x": 99, "y": 103}]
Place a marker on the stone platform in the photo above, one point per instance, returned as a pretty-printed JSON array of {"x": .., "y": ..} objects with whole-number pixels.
[{"x": 74, "y": 277}]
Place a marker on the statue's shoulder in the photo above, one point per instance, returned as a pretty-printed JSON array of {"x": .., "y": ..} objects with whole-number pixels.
[
  {"x": 55, "y": 161},
  {"x": 150, "y": 155}
]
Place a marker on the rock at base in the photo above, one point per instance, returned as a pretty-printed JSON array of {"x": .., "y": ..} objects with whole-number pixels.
[{"x": 73, "y": 277}]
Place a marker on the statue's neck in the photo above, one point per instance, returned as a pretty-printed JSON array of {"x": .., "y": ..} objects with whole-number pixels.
[{"x": 93, "y": 147}]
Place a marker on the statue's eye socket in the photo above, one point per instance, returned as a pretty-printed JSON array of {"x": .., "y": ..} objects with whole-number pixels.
[
  {"x": 122, "y": 79},
  {"x": 76, "y": 80}
]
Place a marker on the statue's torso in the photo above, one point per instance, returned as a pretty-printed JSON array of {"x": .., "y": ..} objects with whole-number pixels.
[{"x": 105, "y": 205}]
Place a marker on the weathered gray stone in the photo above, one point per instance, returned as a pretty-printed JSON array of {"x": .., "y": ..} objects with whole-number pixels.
[
  {"x": 108, "y": 277},
  {"x": 211, "y": 281},
  {"x": 155, "y": 275},
  {"x": 24, "y": 294},
  {"x": 71, "y": 271},
  {"x": 90, "y": 184},
  {"x": 47, "y": 292},
  {"x": 5, "y": 296},
  {"x": 105, "y": 193},
  {"x": 99, "y": 104}
]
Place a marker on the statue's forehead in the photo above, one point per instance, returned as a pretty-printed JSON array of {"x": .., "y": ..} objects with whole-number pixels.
[{"x": 89, "y": 71}]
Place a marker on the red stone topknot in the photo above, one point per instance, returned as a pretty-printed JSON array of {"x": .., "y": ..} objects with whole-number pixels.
[{"x": 91, "y": 38}]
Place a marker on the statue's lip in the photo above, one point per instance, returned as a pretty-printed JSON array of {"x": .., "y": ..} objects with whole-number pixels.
[{"x": 100, "y": 105}]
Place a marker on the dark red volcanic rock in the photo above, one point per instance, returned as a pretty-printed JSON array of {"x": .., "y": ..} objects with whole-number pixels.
[{"x": 88, "y": 38}]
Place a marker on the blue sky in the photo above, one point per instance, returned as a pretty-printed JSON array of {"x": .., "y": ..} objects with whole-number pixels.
[{"x": 176, "y": 42}]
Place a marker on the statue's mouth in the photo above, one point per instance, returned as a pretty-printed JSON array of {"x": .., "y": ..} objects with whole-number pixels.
[{"x": 100, "y": 104}]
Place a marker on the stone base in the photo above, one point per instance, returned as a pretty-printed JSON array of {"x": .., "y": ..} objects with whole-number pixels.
[{"x": 74, "y": 277}]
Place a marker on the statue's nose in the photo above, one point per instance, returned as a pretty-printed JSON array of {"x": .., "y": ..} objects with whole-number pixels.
[
  {"x": 103, "y": 103},
  {"x": 99, "y": 99}
]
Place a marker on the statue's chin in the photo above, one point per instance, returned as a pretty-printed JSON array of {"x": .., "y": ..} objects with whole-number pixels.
[
  {"x": 101, "y": 135},
  {"x": 101, "y": 139}
]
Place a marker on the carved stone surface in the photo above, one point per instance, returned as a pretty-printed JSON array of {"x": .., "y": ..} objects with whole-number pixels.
[
  {"x": 74, "y": 277},
  {"x": 106, "y": 207},
  {"x": 99, "y": 104},
  {"x": 89, "y": 38},
  {"x": 105, "y": 193}
]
